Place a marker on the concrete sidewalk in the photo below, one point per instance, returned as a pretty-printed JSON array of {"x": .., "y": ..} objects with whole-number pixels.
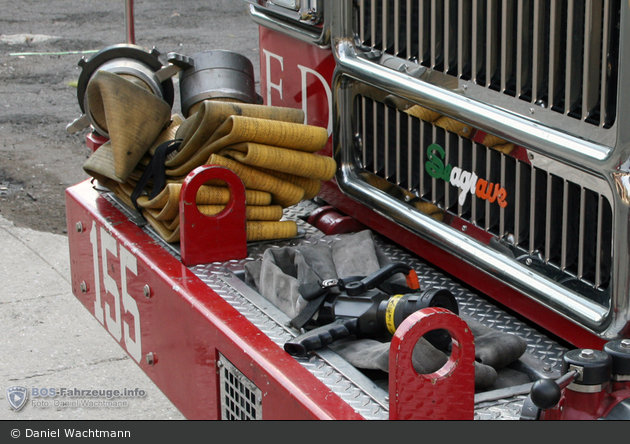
[{"x": 49, "y": 340}]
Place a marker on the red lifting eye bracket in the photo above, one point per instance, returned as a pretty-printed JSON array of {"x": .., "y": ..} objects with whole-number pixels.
[
  {"x": 222, "y": 237},
  {"x": 447, "y": 394}
]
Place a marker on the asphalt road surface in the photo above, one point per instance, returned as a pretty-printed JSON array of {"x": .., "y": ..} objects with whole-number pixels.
[{"x": 40, "y": 47}]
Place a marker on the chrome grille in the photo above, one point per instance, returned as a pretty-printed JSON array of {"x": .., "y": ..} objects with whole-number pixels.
[
  {"x": 549, "y": 222},
  {"x": 556, "y": 54}
]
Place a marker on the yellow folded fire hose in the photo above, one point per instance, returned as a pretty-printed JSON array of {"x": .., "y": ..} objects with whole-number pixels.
[
  {"x": 269, "y": 148},
  {"x": 167, "y": 201},
  {"x": 237, "y": 129},
  {"x": 197, "y": 130}
]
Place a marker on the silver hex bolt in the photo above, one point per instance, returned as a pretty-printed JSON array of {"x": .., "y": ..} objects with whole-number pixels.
[
  {"x": 587, "y": 354},
  {"x": 79, "y": 227},
  {"x": 147, "y": 291},
  {"x": 83, "y": 287}
]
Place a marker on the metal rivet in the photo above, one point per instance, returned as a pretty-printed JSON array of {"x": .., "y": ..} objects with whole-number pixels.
[
  {"x": 147, "y": 291},
  {"x": 528, "y": 261},
  {"x": 625, "y": 343},
  {"x": 79, "y": 227},
  {"x": 464, "y": 228},
  {"x": 151, "y": 358},
  {"x": 530, "y": 156},
  {"x": 532, "y": 110},
  {"x": 83, "y": 287}
]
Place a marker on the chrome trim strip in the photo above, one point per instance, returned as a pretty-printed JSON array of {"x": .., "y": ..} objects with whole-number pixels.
[
  {"x": 295, "y": 29},
  {"x": 453, "y": 103}
]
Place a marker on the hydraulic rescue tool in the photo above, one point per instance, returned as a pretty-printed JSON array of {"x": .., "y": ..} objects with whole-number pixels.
[{"x": 365, "y": 306}]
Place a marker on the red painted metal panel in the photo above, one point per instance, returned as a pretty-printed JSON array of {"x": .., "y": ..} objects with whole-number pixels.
[
  {"x": 297, "y": 75},
  {"x": 151, "y": 303},
  {"x": 447, "y": 394},
  {"x": 219, "y": 238}
]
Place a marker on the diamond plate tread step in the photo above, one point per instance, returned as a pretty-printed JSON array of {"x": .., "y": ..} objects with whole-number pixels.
[{"x": 370, "y": 402}]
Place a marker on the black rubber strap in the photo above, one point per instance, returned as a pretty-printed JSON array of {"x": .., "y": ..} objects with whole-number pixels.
[
  {"x": 308, "y": 311},
  {"x": 156, "y": 170}
]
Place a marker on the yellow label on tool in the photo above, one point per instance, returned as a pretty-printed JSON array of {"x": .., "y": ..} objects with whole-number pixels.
[{"x": 389, "y": 313}]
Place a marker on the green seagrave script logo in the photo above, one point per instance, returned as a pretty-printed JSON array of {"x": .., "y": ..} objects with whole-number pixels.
[{"x": 467, "y": 182}]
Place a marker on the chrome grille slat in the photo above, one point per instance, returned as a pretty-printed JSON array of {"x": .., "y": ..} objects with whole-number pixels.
[
  {"x": 580, "y": 269},
  {"x": 532, "y": 213},
  {"x": 569, "y": 59},
  {"x": 555, "y": 54},
  {"x": 549, "y": 219},
  {"x": 517, "y": 206},
  {"x": 363, "y": 132},
  {"x": 592, "y": 57},
  {"x": 473, "y": 207},
  {"x": 487, "y": 218},
  {"x": 400, "y": 166},
  {"x": 475, "y": 41},
  {"x": 410, "y": 149},
  {"x": 463, "y": 41},
  {"x": 435, "y": 37},
  {"x": 598, "y": 251},
  {"x": 565, "y": 221},
  {"x": 502, "y": 215},
  {"x": 447, "y": 160},
  {"x": 375, "y": 130},
  {"x": 520, "y": 45},
  {"x": 507, "y": 44},
  {"x": 408, "y": 30},
  {"x": 384, "y": 25},
  {"x": 554, "y": 51},
  {"x": 460, "y": 155},
  {"x": 389, "y": 140},
  {"x": 603, "y": 96},
  {"x": 538, "y": 40},
  {"x": 491, "y": 36},
  {"x": 397, "y": 26},
  {"x": 421, "y": 169},
  {"x": 434, "y": 198}
]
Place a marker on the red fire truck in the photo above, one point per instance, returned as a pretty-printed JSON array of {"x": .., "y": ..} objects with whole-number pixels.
[{"x": 481, "y": 142}]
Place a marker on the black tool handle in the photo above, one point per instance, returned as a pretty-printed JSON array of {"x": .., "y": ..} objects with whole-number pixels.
[
  {"x": 359, "y": 287},
  {"x": 321, "y": 336}
]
